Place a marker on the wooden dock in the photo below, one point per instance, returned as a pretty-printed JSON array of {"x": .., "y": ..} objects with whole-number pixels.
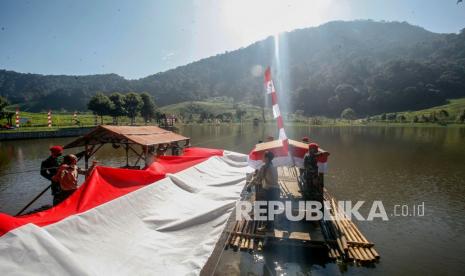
[{"x": 339, "y": 237}]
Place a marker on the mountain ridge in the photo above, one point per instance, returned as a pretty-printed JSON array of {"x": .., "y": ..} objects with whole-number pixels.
[{"x": 353, "y": 54}]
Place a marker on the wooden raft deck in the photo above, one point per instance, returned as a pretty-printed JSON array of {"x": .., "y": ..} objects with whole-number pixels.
[{"x": 340, "y": 237}]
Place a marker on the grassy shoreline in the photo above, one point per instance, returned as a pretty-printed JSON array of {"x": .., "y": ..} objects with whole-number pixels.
[
  {"x": 207, "y": 113},
  {"x": 338, "y": 123}
]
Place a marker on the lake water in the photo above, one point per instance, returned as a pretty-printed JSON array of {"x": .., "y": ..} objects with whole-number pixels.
[{"x": 399, "y": 166}]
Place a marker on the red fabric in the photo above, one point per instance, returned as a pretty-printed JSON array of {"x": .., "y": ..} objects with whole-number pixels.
[
  {"x": 323, "y": 157},
  {"x": 274, "y": 98},
  {"x": 278, "y": 152},
  {"x": 297, "y": 151},
  {"x": 267, "y": 74},
  {"x": 286, "y": 146},
  {"x": 106, "y": 184},
  {"x": 280, "y": 122},
  {"x": 293, "y": 151}
]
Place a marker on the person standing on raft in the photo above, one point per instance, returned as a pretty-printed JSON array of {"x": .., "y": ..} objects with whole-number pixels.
[
  {"x": 49, "y": 168},
  {"x": 312, "y": 186},
  {"x": 266, "y": 178}
]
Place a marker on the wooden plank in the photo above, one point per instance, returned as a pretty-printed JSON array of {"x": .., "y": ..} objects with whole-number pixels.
[
  {"x": 277, "y": 234},
  {"x": 299, "y": 236}
]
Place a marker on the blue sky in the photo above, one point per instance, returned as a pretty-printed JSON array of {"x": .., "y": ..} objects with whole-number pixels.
[{"x": 139, "y": 38}]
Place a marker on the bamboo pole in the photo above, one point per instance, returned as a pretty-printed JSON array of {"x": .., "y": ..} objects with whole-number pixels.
[
  {"x": 33, "y": 200},
  {"x": 356, "y": 255},
  {"x": 244, "y": 244},
  {"x": 331, "y": 253},
  {"x": 368, "y": 253},
  {"x": 232, "y": 234},
  {"x": 341, "y": 241},
  {"x": 375, "y": 254},
  {"x": 349, "y": 229},
  {"x": 238, "y": 236},
  {"x": 251, "y": 242}
]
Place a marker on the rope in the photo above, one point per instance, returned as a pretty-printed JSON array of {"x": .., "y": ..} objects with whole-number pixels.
[{"x": 21, "y": 172}]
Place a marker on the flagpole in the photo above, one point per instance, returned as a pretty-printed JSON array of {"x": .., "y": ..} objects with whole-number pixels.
[{"x": 270, "y": 89}]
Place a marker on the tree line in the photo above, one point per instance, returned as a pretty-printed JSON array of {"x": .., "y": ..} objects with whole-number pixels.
[
  {"x": 441, "y": 116},
  {"x": 118, "y": 105}
]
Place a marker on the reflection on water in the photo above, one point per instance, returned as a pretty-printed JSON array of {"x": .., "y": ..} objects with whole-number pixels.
[{"x": 396, "y": 165}]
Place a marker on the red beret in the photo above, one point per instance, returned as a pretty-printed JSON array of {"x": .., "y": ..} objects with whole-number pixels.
[
  {"x": 56, "y": 149},
  {"x": 306, "y": 139},
  {"x": 313, "y": 146}
]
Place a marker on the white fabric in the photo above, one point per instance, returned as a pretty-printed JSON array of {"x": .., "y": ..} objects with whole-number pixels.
[
  {"x": 276, "y": 112},
  {"x": 171, "y": 226},
  {"x": 322, "y": 167},
  {"x": 282, "y": 134},
  {"x": 270, "y": 87},
  {"x": 279, "y": 161},
  {"x": 288, "y": 162}
]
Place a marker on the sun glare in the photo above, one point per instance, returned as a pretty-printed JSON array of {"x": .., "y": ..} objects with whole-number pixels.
[{"x": 249, "y": 20}]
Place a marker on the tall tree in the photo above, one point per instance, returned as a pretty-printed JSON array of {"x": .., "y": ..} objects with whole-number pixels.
[
  {"x": 240, "y": 113},
  {"x": 461, "y": 117},
  {"x": 119, "y": 108},
  {"x": 100, "y": 105},
  {"x": 348, "y": 114},
  {"x": 3, "y": 103},
  {"x": 133, "y": 104},
  {"x": 147, "y": 111},
  {"x": 345, "y": 96},
  {"x": 443, "y": 114}
]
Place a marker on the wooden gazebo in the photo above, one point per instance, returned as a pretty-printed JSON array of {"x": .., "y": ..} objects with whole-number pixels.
[{"x": 144, "y": 141}]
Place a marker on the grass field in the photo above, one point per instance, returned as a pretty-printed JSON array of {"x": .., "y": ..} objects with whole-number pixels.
[
  {"x": 38, "y": 121},
  {"x": 454, "y": 107},
  {"x": 215, "y": 108}
]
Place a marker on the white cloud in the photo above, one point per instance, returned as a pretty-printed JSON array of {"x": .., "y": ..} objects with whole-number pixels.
[{"x": 167, "y": 56}]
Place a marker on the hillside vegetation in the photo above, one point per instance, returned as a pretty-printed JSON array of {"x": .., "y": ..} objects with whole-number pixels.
[
  {"x": 371, "y": 67},
  {"x": 453, "y": 111},
  {"x": 224, "y": 110}
]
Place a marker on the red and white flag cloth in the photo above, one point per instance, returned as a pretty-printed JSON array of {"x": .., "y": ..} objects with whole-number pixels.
[
  {"x": 166, "y": 218},
  {"x": 281, "y": 147},
  {"x": 296, "y": 150},
  {"x": 270, "y": 89},
  {"x": 287, "y": 152}
]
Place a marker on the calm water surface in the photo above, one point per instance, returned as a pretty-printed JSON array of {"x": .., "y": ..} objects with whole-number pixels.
[{"x": 406, "y": 166}]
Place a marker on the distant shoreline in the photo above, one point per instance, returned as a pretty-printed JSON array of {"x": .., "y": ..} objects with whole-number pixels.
[
  {"x": 43, "y": 132},
  {"x": 40, "y": 133}
]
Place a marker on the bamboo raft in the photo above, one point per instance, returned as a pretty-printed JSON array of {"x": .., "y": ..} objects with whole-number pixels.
[{"x": 339, "y": 237}]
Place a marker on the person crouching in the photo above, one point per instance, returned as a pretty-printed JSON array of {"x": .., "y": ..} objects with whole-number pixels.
[{"x": 67, "y": 176}]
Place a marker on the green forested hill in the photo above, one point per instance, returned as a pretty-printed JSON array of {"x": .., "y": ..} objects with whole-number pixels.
[{"x": 372, "y": 67}]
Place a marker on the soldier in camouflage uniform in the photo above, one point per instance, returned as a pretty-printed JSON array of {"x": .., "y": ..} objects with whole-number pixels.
[
  {"x": 312, "y": 186},
  {"x": 49, "y": 168}
]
